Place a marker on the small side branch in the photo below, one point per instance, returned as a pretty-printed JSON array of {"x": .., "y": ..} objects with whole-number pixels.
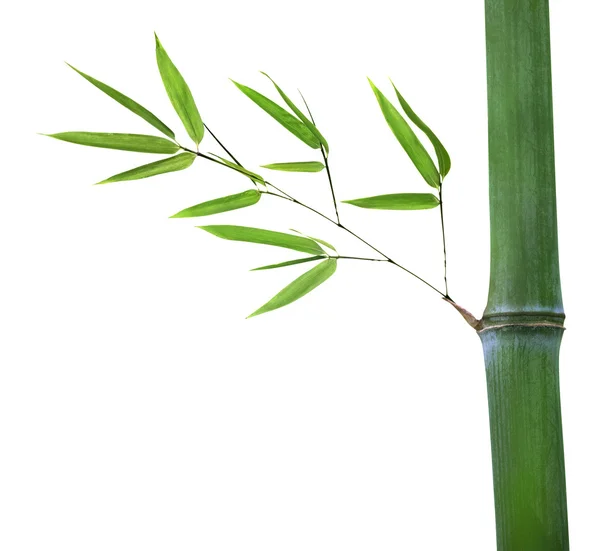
[
  {"x": 360, "y": 258},
  {"x": 475, "y": 323},
  {"x": 222, "y": 146},
  {"x": 337, "y": 214},
  {"x": 286, "y": 196},
  {"x": 326, "y": 161},
  {"x": 444, "y": 240}
]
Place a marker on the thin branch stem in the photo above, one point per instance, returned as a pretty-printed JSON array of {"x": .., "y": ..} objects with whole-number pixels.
[
  {"x": 390, "y": 260},
  {"x": 360, "y": 258},
  {"x": 281, "y": 191},
  {"x": 222, "y": 146},
  {"x": 444, "y": 241},
  {"x": 325, "y": 160},
  {"x": 337, "y": 214},
  {"x": 339, "y": 225},
  {"x": 198, "y": 154},
  {"x": 286, "y": 196}
]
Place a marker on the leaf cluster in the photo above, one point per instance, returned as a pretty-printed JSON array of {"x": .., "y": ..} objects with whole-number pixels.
[{"x": 298, "y": 123}]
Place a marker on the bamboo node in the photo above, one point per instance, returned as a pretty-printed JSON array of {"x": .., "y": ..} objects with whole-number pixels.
[
  {"x": 510, "y": 319},
  {"x": 522, "y": 319},
  {"x": 521, "y": 324}
]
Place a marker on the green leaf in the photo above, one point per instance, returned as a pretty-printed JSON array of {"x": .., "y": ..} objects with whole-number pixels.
[
  {"x": 288, "y": 263},
  {"x": 397, "y": 201},
  {"x": 265, "y": 237},
  {"x": 129, "y": 104},
  {"x": 305, "y": 166},
  {"x": 323, "y": 242},
  {"x": 126, "y": 142},
  {"x": 309, "y": 124},
  {"x": 440, "y": 151},
  {"x": 179, "y": 94},
  {"x": 283, "y": 117},
  {"x": 300, "y": 286},
  {"x": 172, "y": 164},
  {"x": 408, "y": 139},
  {"x": 252, "y": 175},
  {"x": 223, "y": 204}
]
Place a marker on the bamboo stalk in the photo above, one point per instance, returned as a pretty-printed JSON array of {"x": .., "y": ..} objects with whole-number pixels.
[{"x": 522, "y": 326}]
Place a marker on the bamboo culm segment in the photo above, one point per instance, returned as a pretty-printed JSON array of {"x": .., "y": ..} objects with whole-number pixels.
[
  {"x": 521, "y": 329},
  {"x": 527, "y": 443},
  {"x": 524, "y": 271}
]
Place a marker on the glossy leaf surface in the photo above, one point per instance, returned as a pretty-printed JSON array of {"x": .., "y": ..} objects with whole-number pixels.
[
  {"x": 440, "y": 151},
  {"x": 222, "y": 204},
  {"x": 252, "y": 175},
  {"x": 305, "y": 166},
  {"x": 172, "y": 164},
  {"x": 180, "y": 95},
  {"x": 283, "y": 117},
  {"x": 322, "y": 241},
  {"x": 288, "y": 263},
  {"x": 127, "y": 102},
  {"x": 265, "y": 237},
  {"x": 126, "y": 142},
  {"x": 299, "y": 287},
  {"x": 308, "y": 123},
  {"x": 408, "y": 139},
  {"x": 397, "y": 201}
]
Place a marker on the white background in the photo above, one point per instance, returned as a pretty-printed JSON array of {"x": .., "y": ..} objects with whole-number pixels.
[{"x": 140, "y": 410}]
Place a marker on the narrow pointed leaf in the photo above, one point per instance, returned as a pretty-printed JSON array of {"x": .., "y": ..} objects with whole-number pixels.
[
  {"x": 283, "y": 117},
  {"x": 265, "y": 237},
  {"x": 299, "y": 287},
  {"x": 408, "y": 139},
  {"x": 288, "y": 263},
  {"x": 305, "y": 166},
  {"x": 309, "y": 124},
  {"x": 125, "y": 142},
  {"x": 397, "y": 201},
  {"x": 440, "y": 151},
  {"x": 222, "y": 204},
  {"x": 179, "y": 94},
  {"x": 322, "y": 241},
  {"x": 172, "y": 164},
  {"x": 129, "y": 104},
  {"x": 252, "y": 175}
]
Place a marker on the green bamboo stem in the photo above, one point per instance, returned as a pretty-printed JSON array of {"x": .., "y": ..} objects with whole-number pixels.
[
  {"x": 521, "y": 329},
  {"x": 527, "y": 447}
]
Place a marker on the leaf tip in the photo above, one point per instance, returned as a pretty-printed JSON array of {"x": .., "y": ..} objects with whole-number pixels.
[
  {"x": 75, "y": 69},
  {"x": 394, "y": 86},
  {"x": 263, "y": 73}
]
